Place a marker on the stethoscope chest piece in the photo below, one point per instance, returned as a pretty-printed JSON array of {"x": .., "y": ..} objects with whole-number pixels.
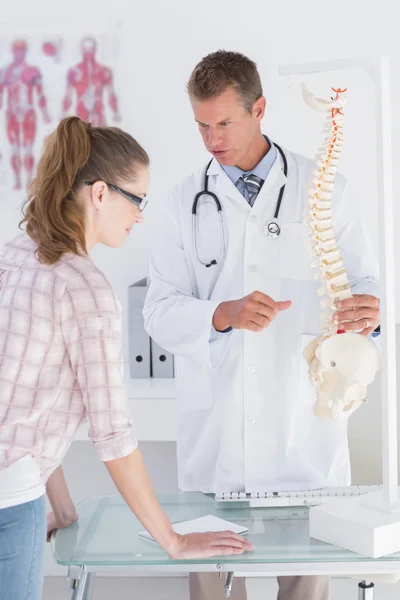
[{"x": 272, "y": 230}]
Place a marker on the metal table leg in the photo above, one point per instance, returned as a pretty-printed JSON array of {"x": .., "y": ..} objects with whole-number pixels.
[
  {"x": 366, "y": 590},
  {"x": 88, "y": 593},
  {"x": 228, "y": 584},
  {"x": 77, "y": 579},
  {"x": 79, "y": 589}
]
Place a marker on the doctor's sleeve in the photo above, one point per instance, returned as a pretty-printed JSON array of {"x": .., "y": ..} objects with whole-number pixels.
[
  {"x": 174, "y": 317},
  {"x": 356, "y": 247}
]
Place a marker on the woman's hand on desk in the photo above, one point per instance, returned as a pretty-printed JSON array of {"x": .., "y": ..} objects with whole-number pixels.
[
  {"x": 54, "y": 523},
  {"x": 206, "y": 545},
  {"x": 130, "y": 476},
  {"x": 64, "y": 513}
]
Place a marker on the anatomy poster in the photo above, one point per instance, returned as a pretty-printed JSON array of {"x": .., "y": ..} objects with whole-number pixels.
[
  {"x": 89, "y": 87},
  {"x": 45, "y": 77}
]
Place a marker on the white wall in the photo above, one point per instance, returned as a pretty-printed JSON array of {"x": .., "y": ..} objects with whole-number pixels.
[{"x": 162, "y": 43}]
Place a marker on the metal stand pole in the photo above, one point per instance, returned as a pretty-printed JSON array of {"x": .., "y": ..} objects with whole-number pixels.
[
  {"x": 228, "y": 584},
  {"x": 366, "y": 590},
  {"x": 79, "y": 589},
  {"x": 88, "y": 593},
  {"x": 77, "y": 578}
]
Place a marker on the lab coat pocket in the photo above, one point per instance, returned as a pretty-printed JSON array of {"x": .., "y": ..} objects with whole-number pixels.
[
  {"x": 193, "y": 385},
  {"x": 307, "y": 394},
  {"x": 295, "y": 256}
]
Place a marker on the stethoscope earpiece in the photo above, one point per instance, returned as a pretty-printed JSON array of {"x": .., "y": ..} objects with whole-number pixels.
[{"x": 213, "y": 262}]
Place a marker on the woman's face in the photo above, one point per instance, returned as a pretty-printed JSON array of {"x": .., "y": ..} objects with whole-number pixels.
[{"x": 114, "y": 214}]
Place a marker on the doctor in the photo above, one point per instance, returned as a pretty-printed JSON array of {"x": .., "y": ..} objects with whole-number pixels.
[{"x": 233, "y": 296}]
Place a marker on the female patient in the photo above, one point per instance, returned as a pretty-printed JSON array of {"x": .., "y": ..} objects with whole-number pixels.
[{"x": 60, "y": 351}]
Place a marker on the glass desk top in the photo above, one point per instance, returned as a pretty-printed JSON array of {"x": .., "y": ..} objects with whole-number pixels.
[{"x": 107, "y": 535}]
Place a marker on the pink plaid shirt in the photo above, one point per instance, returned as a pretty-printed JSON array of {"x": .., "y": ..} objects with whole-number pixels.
[{"x": 60, "y": 359}]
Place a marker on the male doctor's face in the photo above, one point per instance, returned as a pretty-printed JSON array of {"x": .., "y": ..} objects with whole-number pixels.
[{"x": 228, "y": 129}]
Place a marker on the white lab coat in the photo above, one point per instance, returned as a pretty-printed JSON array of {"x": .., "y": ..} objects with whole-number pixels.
[{"x": 246, "y": 421}]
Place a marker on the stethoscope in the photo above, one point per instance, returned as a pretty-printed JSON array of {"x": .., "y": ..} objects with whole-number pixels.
[{"x": 271, "y": 229}]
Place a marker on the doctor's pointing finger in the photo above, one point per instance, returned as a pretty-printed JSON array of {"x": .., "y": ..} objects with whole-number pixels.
[{"x": 254, "y": 312}]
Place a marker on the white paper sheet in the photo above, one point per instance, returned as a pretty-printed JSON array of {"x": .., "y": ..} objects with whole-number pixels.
[{"x": 201, "y": 525}]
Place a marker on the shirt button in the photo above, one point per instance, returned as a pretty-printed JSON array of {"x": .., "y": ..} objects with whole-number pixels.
[
  {"x": 252, "y": 420},
  {"x": 251, "y": 369},
  {"x": 253, "y": 268},
  {"x": 253, "y": 218}
]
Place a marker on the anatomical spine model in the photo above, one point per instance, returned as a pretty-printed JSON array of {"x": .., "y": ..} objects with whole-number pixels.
[{"x": 341, "y": 365}]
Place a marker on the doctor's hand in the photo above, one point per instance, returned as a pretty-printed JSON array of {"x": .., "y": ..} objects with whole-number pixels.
[
  {"x": 360, "y": 313},
  {"x": 254, "y": 312},
  {"x": 205, "y": 545}
]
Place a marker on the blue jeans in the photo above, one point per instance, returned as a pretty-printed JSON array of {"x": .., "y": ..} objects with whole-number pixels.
[{"x": 22, "y": 542}]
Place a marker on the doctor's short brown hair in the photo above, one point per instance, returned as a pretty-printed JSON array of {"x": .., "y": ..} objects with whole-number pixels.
[{"x": 218, "y": 71}]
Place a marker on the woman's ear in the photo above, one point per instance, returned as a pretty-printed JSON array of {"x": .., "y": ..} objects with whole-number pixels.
[{"x": 98, "y": 191}]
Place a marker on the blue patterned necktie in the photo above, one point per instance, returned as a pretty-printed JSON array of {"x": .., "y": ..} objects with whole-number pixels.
[{"x": 253, "y": 185}]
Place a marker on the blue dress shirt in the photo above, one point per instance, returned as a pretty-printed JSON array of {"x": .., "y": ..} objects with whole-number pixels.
[{"x": 262, "y": 170}]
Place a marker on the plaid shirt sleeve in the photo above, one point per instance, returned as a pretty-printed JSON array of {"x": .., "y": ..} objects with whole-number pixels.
[{"x": 91, "y": 323}]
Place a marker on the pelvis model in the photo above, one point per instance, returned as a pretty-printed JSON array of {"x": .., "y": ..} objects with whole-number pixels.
[{"x": 341, "y": 365}]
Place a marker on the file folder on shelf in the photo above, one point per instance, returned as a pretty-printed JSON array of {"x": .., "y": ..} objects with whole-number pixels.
[
  {"x": 162, "y": 362},
  {"x": 139, "y": 340}
]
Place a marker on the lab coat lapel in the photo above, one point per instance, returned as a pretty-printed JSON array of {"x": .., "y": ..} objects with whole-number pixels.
[
  {"x": 225, "y": 187},
  {"x": 268, "y": 196}
]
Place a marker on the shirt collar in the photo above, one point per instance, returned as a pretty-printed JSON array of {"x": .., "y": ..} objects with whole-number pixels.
[{"x": 262, "y": 169}]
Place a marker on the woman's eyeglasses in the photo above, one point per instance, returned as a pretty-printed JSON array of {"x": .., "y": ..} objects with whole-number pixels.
[{"x": 136, "y": 200}]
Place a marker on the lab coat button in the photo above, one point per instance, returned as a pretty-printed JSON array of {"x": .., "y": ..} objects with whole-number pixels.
[
  {"x": 252, "y": 420},
  {"x": 251, "y": 369},
  {"x": 253, "y": 268},
  {"x": 253, "y": 218}
]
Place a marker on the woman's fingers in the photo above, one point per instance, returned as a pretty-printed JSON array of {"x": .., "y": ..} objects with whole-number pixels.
[
  {"x": 224, "y": 551},
  {"x": 198, "y": 545},
  {"x": 226, "y": 541},
  {"x": 230, "y": 535}
]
